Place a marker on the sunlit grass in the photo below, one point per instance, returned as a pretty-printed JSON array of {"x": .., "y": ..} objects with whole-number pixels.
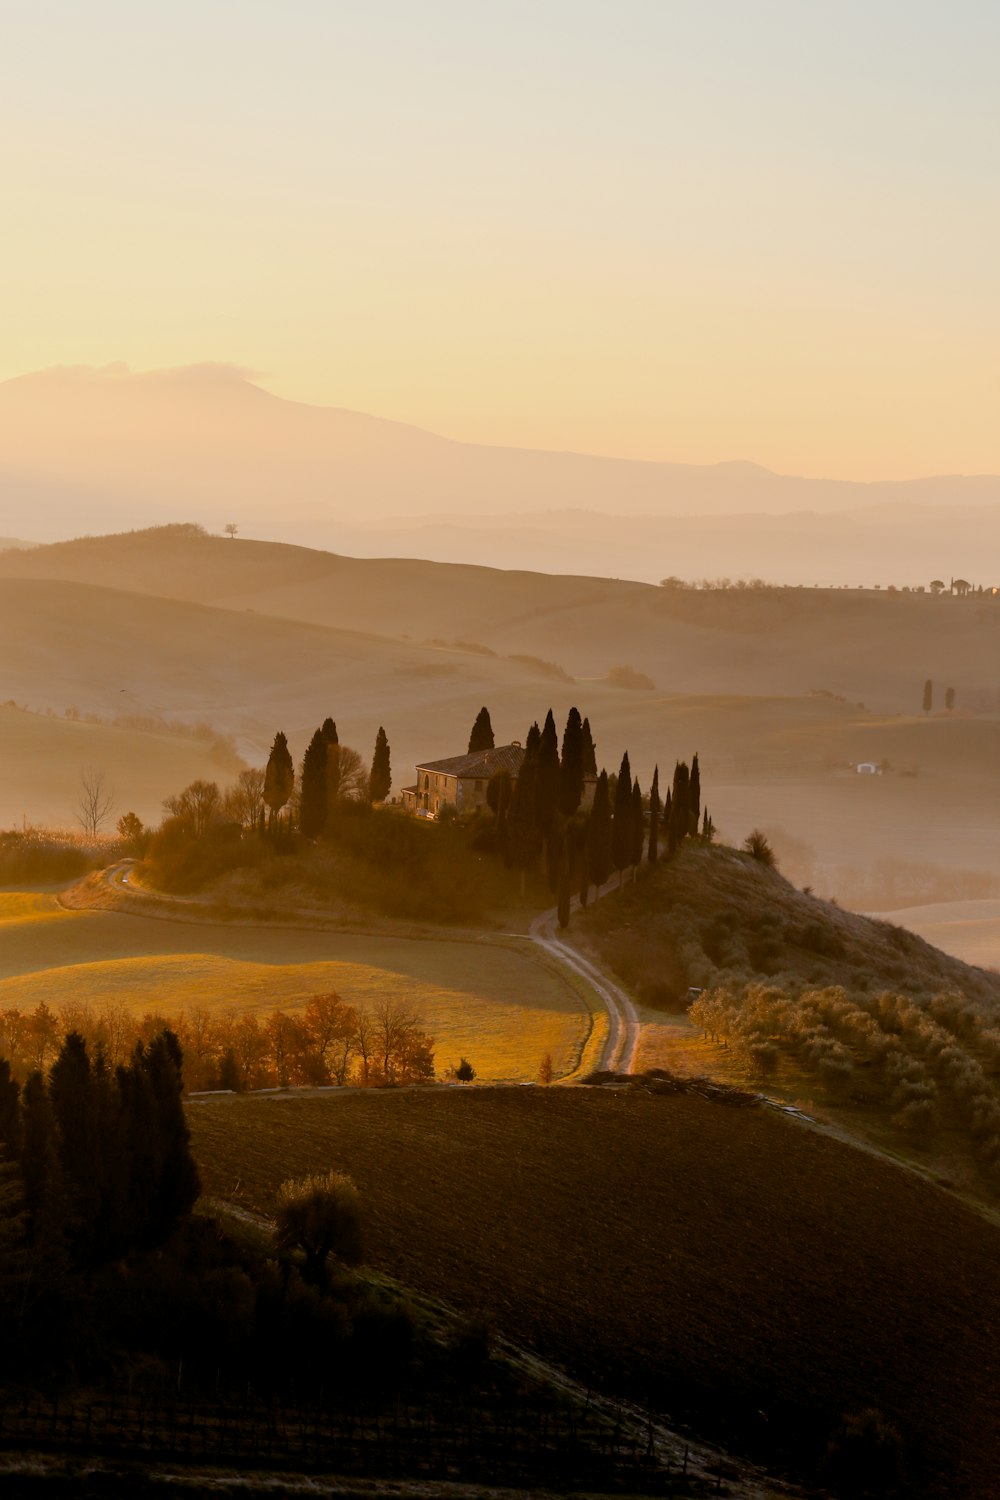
[{"x": 493, "y": 1004}]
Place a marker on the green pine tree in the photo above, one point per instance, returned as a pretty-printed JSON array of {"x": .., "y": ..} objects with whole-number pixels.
[{"x": 380, "y": 779}]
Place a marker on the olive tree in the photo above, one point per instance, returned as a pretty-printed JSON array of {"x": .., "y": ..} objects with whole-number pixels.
[{"x": 319, "y": 1215}]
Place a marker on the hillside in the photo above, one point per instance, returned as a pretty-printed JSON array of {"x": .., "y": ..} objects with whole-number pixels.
[
  {"x": 779, "y": 690},
  {"x": 859, "y": 1020},
  {"x": 80, "y": 444},
  {"x": 42, "y": 759},
  {"x": 876, "y": 648},
  {"x": 693, "y": 1256}
]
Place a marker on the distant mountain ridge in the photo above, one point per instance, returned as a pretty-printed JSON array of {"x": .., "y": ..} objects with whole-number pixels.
[{"x": 85, "y": 450}]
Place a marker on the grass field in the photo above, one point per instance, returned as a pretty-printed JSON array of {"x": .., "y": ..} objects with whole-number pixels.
[
  {"x": 731, "y": 1267},
  {"x": 496, "y": 1003}
]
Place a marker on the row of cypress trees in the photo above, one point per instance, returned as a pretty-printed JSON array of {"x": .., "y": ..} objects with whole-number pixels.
[
  {"x": 94, "y": 1163},
  {"x": 326, "y": 767},
  {"x": 539, "y": 813}
]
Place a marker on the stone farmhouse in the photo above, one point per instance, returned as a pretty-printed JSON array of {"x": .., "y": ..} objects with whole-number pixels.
[{"x": 460, "y": 781}]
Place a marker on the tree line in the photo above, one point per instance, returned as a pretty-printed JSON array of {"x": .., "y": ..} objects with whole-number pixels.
[
  {"x": 327, "y": 1042},
  {"x": 541, "y": 819},
  {"x": 94, "y": 1163}
]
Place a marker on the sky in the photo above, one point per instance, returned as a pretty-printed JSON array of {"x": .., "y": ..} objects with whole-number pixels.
[{"x": 693, "y": 230}]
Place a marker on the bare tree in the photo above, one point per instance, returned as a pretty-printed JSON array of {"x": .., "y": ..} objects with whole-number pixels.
[
  {"x": 244, "y": 800},
  {"x": 231, "y": 529},
  {"x": 95, "y": 801},
  {"x": 197, "y": 805}
]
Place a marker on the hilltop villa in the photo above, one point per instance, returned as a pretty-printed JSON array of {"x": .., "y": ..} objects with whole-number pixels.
[{"x": 460, "y": 781}]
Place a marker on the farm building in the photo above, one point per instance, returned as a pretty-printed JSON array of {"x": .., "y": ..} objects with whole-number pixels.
[
  {"x": 460, "y": 781},
  {"x": 868, "y": 768}
]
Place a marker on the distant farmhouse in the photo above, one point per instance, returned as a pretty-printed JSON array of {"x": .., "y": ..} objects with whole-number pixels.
[
  {"x": 460, "y": 781},
  {"x": 868, "y": 768}
]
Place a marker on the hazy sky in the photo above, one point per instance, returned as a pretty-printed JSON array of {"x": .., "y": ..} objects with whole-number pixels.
[{"x": 682, "y": 229}]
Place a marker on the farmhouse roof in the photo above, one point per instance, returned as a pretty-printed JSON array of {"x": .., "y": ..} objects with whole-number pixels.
[{"x": 481, "y": 763}]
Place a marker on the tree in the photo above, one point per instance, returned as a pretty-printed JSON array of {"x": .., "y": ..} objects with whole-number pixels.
[
  {"x": 347, "y": 779},
  {"x": 654, "y": 818},
  {"x": 313, "y": 787},
  {"x": 465, "y": 1072},
  {"x": 599, "y": 832},
  {"x": 380, "y": 779},
  {"x": 329, "y": 731},
  {"x": 131, "y": 831},
  {"x": 589, "y": 751},
  {"x": 545, "y": 1071},
  {"x": 694, "y": 795},
  {"x": 94, "y": 802},
  {"x": 523, "y": 840},
  {"x": 481, "y": 736},
  {"x": 678, "y": 824},
  {"x": 928, "y": 701},
  {"x": 960, "y": 586},
  {"x": 244, "y": 800},
  {"x": 937, "y": 585},
  {"x": 231, "y": 529},
  {"x": 638, "y": 832},
  {"x": 279, "y": 777},
  {"x": 321, "y": 1216},
  {"x": 331, "y": 1025},
  {"x": 547, "y": 783},
  {"x": 621, "y": 833},
  {"x": 197, "y": 806},
  {"x": 571, "y": 765},
  {"x": 949, "y": 699}
]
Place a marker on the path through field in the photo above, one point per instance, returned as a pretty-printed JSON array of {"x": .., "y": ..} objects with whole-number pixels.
[{"x": 624, "y": 1025}]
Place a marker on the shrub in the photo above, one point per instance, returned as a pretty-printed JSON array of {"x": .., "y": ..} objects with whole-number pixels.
[{"x": 757, "y": 846}]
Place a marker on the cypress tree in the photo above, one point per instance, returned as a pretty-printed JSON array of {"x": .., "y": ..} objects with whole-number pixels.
[
  {"x": 10, "y": 1112},
  {"x": 177, "y": 1182},
  {"x": 589, "y": 750},
  {"x": 638, "y": 833},
  {"x": 928, "y": 696},
  {"x": 279, "y": 777},
  {"x": 41, "y": 1178},
  {"x": 571, "y": 765},
  {"x": 329, "y": 732},
  {"x": 707, "y": 828},
  {"x": 312, "y": 788},
  {"x": 621, "y": 836},
  {"x": 533, "y": 740},
  {"x": 547, "y": 792},
  {"x": 15, "y": 1263},
  {"x": 668, "y": 823},
  {"x": 679, "y": 806},
  {"x": 523, "y": 840},
  {"x": 74, "y": 1105},
  {"x": 380, "y": 779},
  {"x": 654, "y": 818},
  {"x": 694, "y": 796},
  {"x": 481, "y": 737},
  {"x": 599, "y": 830}
]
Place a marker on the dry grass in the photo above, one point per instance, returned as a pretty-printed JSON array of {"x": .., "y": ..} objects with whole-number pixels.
[
  {"x": 733, "y": 1268},
  {"x": 498, "y": 1003}
]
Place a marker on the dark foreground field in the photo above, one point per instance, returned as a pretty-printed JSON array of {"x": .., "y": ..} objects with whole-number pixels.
[{"x": 730, "y": 1267}]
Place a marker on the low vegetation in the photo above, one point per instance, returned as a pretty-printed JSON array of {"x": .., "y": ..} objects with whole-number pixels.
[{"x": 890, "y": 1036}]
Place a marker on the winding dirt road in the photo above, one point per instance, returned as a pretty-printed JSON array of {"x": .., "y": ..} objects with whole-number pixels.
[{"x": 624, "y": 1026}]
